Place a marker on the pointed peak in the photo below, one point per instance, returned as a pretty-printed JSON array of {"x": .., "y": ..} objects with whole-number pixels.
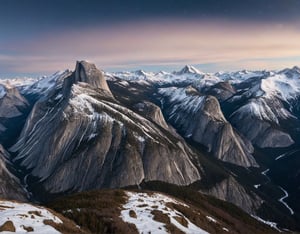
[
  {"x": 189, "y": 69},
  {"x": 85, "y": 65},
  {"x": 141, "y": 73},
  {"x": 291, "y": 72},
  {"x": 296, "y": 69},
  {"x": 162, "y": 73},
  {"x": 87, "y": 73}
]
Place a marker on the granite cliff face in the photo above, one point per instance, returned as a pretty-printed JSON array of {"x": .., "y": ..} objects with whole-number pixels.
[
  {"x": 231, "y": 191},
  {"x": 88, "y": 73},
  {"x": 98, "y": 142},
  {"x": 13, "y": 111},
  {"x": 266, "y": 103},
  {"x": 221, "y": 90},
  {"x": 152, "y": 112},
  {"x": 262, "y": 114},
  {"x": 200, "y": 118},
  {"x": 10, "y": 187}
]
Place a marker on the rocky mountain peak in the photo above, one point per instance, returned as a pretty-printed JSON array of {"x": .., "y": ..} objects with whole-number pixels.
[
  {"x": 10, "y": 186},
  {"x": 141, "y": 73},
  {"x": 212, "y": 108},
  {"x": 88, "y": 73},
  {"x": 153, "y": 112},
  {"x": 291, "y": 72},
  {"x": 200, "y": 118},
  {"x": 6, "y": 90},
  {"x": 189, "y": 69},
  {"x": 13, "y": 109},
  {"x": 2, "y": 91}
]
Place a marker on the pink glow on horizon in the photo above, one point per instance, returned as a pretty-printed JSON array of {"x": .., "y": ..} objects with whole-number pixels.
[{"x": 230, "y": 46}]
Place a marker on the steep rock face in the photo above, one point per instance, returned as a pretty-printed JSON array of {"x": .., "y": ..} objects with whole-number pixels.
[
  {"x": 269, "y": 103},
  {"x": 231, "y": 191},
  {"x": 10, "y": 187},
  {"x": 152, "y": 112},
  {"x": 11, "y": 102},
  {"x": 13, "y": 111},
  {"x": 97, "y": 143},
  {"x": 88, "y": 73},
  {"x": 187, "y": 69},
  {"x": 222, "y": 90},
  {"x": 265, "y": 115},
  {"x": 201, "y": 119}
]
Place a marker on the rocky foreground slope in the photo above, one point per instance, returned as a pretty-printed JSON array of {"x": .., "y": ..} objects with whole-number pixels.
[{"x": 124, "y": 211}]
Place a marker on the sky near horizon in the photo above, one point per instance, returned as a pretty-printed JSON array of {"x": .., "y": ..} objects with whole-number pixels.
[{"x": 39, "y": 37}]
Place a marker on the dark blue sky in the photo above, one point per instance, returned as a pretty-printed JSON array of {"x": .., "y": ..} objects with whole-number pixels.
[
  {"x": 43, "y": 14},
  {"x": 24, "y": 23}
]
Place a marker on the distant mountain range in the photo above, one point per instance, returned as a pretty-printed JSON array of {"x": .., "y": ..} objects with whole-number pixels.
[{"x": 234, "y": 136}]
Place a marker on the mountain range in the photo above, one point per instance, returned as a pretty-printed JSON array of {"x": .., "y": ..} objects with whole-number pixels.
[{"x": 220, "y": 144}]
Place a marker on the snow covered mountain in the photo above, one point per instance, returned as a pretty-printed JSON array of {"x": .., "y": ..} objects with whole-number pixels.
[
  {"x": 187, "y": 75},
  {"x": 259, "y": 109},
  {"x": 268, "y": 97},
  {"x": 215, "y": 133},
  {"x": 184, "y": 107},
  {"x": 98, "y": 142}
]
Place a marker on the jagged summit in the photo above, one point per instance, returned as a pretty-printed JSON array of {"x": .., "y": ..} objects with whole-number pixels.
[
  {"x": 296, "y": 68},
  {"x": 10, "y": 186},
  {"x": 88, "y": 73},
  {"x": 141, "y": 73},
  {"x": 189, "y": 69},
  {"x": 291, "y": 72}
]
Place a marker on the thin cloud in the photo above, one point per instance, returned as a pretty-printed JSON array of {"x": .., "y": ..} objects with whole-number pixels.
[{"x": 171, "y": 43}]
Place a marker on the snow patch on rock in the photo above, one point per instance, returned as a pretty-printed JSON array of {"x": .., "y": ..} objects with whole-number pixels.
[
  {"x": 24, "y": 215},
  {"x": 142, "y": 204}
]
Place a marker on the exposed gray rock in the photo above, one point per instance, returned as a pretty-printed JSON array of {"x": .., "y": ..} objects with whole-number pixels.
[
  {"x": 12, "y": 103},
  {"x": 88, "y": 73},
  {"x": 187, "y": 69},
  {"x": 231, "y": 191},
  {"x": 13, "y": 111},
  {"x": 259, "y": 121},
  {"x": 201, "y": 119},
  {"x": 87, "y": 140},
  {"x": 222, "y": 90},
  {"x": 152, "y": 112},
  {"x": 10, "y": 187}
]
